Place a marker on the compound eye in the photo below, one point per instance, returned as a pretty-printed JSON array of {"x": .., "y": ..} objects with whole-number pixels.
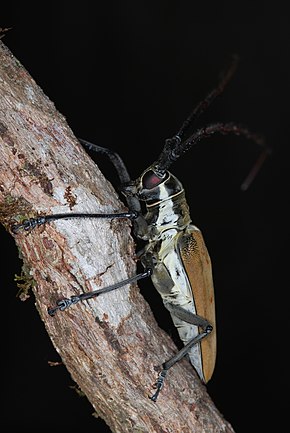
[{"x": 150, "y": 180}]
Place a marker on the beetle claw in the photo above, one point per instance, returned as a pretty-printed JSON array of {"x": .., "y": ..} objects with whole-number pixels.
[
  {"x": 63, "y": 304},
  {"x": 28, "y": 224},
  {"x": 159, "y": 385}
]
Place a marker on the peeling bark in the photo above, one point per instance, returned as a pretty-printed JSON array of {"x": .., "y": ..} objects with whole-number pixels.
[{"x": 111, "y": 344}]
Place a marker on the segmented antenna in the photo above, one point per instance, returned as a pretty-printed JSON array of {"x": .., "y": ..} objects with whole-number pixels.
[
  {"x": 256, "y": 168},
  {"x": 203, "y": 105},
  {"x": 175, "y": 147}
]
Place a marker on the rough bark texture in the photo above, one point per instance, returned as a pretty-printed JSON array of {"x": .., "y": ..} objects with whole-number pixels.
[{"x": 109, "y": 345}]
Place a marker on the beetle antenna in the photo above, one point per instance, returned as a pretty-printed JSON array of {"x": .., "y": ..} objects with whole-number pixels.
[
  {"x": 203, "y": 105},
  {"x": 171, "y": 154},
  {"x": 200, "y": 108},
  {"x": 174, "y": 147},
  {"x": 255, "y": 169}
]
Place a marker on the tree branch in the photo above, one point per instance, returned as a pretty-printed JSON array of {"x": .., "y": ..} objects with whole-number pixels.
[{"x": 111, "y": 344}]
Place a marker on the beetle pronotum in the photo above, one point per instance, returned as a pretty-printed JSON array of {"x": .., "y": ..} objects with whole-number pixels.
[{"x": 175, "y": 255}]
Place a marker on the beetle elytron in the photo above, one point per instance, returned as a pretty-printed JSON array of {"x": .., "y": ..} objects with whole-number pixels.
[{"x": 175, "y": 255}]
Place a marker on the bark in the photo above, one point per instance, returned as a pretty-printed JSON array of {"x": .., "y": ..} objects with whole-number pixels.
[{"x": 110, "y": 345}]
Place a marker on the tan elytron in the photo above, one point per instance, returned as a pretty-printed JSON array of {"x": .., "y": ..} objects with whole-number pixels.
[{"x": 197, "y": 265}]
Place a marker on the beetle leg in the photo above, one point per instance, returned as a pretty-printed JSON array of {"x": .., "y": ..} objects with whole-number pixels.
[
  {"x": 31, "y": 223},
  {"x": 133, "y": 202},
  {"x": 193, "y": 319},
  {"x": 63, "y": 304},
  {"x": 114, "y": 157}
]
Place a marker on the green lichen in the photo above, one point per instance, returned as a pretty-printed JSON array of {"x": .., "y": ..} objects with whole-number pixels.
[{"x": 25, "y": 283}]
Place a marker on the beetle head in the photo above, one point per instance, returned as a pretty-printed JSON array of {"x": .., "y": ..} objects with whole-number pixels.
[{"x": 154, "y": 187}]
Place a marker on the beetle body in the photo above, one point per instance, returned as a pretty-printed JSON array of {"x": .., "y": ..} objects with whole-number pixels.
[
  {"x": 175, "y": 255},
  {"x": 180, "y": 263}
]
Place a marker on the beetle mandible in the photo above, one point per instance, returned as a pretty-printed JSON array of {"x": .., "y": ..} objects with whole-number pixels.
[{"x": 175, "y": 255}]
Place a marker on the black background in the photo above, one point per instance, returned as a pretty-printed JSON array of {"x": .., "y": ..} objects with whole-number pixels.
[{"x": 126, "y": 74}]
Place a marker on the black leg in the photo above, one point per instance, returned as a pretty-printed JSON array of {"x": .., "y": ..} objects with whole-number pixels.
[
  {"x": 31, "y": 223},
  {"x": 114, "y": 157},
  {"x": 187, "y": 317},
  {"x": 133, "y": 203},
  {"x": 63, "y": 304}
]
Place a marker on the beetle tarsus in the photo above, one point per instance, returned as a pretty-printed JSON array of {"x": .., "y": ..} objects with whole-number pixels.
[
  {"x": 28, "y": 224},
  {"x": 208, "y": 329},
  {"x": 63, "y": 304},
  {"x": 159, "y": 384}
]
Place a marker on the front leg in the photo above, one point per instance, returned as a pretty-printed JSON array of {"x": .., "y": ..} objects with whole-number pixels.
[{"x": 32, "y": 223}]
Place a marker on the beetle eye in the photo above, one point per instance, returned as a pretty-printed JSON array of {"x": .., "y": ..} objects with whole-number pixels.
[{"x": 150, "y": 180}]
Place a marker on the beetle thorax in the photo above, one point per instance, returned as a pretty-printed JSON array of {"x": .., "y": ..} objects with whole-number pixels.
[{"x": 168, "y": 214}]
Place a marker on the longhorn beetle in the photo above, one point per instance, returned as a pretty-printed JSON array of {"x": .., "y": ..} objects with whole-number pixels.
[{"x": 175, "y": 255}]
